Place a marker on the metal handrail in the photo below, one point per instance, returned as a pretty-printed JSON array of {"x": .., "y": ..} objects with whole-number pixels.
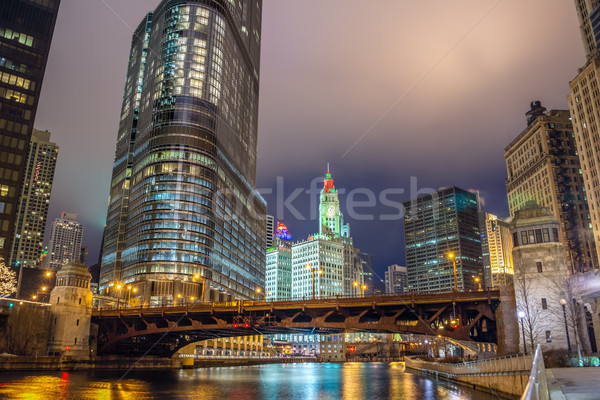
[{"x": 537, "y": 387}]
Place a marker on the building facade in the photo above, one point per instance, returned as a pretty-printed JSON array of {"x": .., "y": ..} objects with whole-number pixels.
[
  {"x": 183, "y": 200},
  {"x": 396, "y": 279},
  {"x": 26, "y": 29},
  {"x": 270, "y": 230},
  {"x": 496, "y": 249},
  {"x": 65, "y": 240},
  {"x": 588, "y": 12},
  {"x": 543, "y": 166},
  {"x": 278, "y": 281},
  {"x": 32, "y": 213},
  {"x": 437, "y": 225},
  {"x": 541, "y": 272}
]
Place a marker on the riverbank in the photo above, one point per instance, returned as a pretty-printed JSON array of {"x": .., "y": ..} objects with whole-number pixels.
[{"x": 115, "y": 362}]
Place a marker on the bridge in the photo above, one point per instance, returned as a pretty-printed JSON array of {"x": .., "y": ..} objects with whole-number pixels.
[{"x": 482, "y": 316}]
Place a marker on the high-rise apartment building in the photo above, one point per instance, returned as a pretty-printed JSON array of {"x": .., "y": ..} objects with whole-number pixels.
[
  {"x": 437, "y": 225},
  {"x": 65, "y": 240},
  {"x": 543, "y": 166},
  {"x": 183, "y": 200},
  {"x": 496, "y": 249},
  {"x": 26, "y": 28},
  {"x": 396, "y": 279},
  {"x": 32, "y": 212}
]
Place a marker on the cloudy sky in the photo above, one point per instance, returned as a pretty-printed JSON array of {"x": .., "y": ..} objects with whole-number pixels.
[{"x": 393, "y": 93}]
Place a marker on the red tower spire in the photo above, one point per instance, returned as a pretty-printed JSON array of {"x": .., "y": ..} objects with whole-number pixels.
[{"x": 329, "y": 187}]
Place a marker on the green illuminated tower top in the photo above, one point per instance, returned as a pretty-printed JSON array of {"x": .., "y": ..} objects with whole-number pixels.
[{"x": 331, "y": 219}]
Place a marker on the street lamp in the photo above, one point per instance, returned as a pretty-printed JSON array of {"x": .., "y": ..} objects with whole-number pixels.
[
  {"x": 453, "y": 257},
  {"x": 563, "y": 303},
  {"x": 260, "y": 291},
  {"x": 362, "y": 289},
  {"x": 314, "y": 271},
  {"x": 521, "y": 315},
  {"x": 477, "y": 281},
  {"x": 355, "y": 287}
]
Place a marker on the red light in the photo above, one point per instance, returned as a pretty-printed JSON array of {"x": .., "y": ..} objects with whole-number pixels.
[
  {"x": 455, "y": 326},
  {"x": 246, "y": 326},
  {"x": 235, "y": 326},
  {"x": 65, "y": 376},
  {"x": 66, "y": 347}
]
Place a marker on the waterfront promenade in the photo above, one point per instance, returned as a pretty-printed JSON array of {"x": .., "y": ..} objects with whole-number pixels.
[{"x": 574, "y": 383}]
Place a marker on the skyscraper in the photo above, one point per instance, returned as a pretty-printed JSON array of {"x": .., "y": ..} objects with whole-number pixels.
[
  {"x": 278, "y": 281},
  {"x": 542, "y": 164},
  {"x": 34, "y": 201},
  {"x": 396, "y": 279},
  {"x": 496, "y": 249},
  {"x": 437, "y": 225},
  {"x": 270, "y": 230},
  {"x": 65, "y": 240},
  {"x": 327, "y": 260},
  {"x": 183, "y": 200},
  {"x": 26, "y": 29}
]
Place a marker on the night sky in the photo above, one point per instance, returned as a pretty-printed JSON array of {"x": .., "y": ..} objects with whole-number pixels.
[{"x": 436, "y": 90}]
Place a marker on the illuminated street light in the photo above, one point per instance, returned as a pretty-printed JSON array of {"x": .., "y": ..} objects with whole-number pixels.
[
  {"x": 314, "y": 272},
  {"x": 453, "y": 257},
  {"x": 521, "y": 315}
]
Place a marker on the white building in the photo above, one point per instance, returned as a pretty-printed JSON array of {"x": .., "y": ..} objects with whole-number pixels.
[
  {"x": 540, "y": 280},
  {"x": 65, "y": 240},
  {"x": 32, "y": 213},
  {"x": 278, "y": 275},
  {"x": 396, "y": 279}
]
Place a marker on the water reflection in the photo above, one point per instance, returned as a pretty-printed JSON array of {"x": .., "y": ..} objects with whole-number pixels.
[{"x": 289, "y": 381}]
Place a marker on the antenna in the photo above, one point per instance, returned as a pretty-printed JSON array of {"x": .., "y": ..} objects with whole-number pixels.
[{"x": 327, "y": 167}]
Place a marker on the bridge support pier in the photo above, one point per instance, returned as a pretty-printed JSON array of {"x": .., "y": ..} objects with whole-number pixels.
[{"x": 507, "y": 322}]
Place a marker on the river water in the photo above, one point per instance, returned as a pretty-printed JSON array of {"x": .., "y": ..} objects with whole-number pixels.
[{"x": 286, "y": 382}]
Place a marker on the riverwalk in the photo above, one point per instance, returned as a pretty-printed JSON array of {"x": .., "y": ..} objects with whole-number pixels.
[{"x": 574, "y": 383}]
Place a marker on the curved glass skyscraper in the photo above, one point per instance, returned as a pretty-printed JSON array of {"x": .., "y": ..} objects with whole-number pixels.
[{"x": 183, "y": 207}]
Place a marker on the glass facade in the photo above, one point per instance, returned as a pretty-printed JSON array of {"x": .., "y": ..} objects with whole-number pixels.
[
  {"x": 436, "y": 225},
  {"x": 183, "y": 207},
  {"x": 26, "y": 28}
]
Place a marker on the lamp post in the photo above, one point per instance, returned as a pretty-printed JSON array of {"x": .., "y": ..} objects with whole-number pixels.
[
  {"x": 314, "y": 272},
  {"x": 521, "y": 315},
  {"x": 119, "y": 296},
  {"x": 260, "y": 292},
  {"x": 355, "y": 287},
  {"x": 362, "y": 288},
  {"x": 563, "y": 303},
  {"x": 477, "y": 281},
  {"x": 453, "y": 257}
]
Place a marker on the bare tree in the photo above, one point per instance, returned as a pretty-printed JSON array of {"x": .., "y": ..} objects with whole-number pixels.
[
  {"x": 8, "y": 279},
  {"x": 563, "y": 288},
  {"x": 531, "y": 309}
]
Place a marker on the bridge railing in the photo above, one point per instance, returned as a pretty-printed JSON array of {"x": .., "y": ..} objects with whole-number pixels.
[
  {"x": 537, "y": 386},
  {"x": 112, "y": 303}
]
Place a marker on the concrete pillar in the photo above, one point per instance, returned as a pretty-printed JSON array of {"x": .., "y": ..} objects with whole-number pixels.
[
  {"x": 507, "y": 322},
  {"x": 595, "y": 311}
]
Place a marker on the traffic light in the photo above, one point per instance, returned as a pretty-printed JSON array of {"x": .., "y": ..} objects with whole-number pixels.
[
  {"x": 246, "y": 325},
  {"x": 235, "y": 326}
]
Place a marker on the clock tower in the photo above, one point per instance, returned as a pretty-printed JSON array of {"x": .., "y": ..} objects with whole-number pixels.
[{"x": 329, "y": 209}]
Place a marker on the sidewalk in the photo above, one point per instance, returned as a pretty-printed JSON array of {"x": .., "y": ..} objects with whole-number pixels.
[{"x": 574, "y": 383}]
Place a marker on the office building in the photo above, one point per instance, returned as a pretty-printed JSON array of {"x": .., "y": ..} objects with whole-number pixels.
[
  {"x": 396, "y": 279},
  {"x": 83, "y": 255},
  {"x": 32, "y": 212},
  {"x": 65, "y": 240},
  {"x": 278, "y": 281},
  {"x": 327, "y": 260},
  {"x": 541, "y": 270},
  {"x": 270, "y": 230},
  {"x": 543, "y": 166},
  {"x": 436, "y": 226},
  {"x": 496, "y": 249},
  {"x": 183, "y": 200},
  {"x": 26, "y": 29}
]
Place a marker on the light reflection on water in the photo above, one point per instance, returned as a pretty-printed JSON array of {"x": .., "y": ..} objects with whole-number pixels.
[{"x": 349, "y": 381}]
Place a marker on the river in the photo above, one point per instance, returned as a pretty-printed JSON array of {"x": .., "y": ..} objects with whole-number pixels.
[{"x": 277, "y": 381}]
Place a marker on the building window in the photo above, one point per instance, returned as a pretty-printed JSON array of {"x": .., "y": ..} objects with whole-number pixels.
[
  {"x": 75, "y": 341},
  {"x": 555, "y": 233},
  {"x": 524, "y": 237},
  {"x": 515, "y": 239},
  {"x": 538, "y": 236},
  {"x": 544, "y": 304},
  {"x": 548, "y": 337},
  {"x": 546, "y": 233},
  {"x": 78, "y": 320},
  {"x": 539, "y": 267}
]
